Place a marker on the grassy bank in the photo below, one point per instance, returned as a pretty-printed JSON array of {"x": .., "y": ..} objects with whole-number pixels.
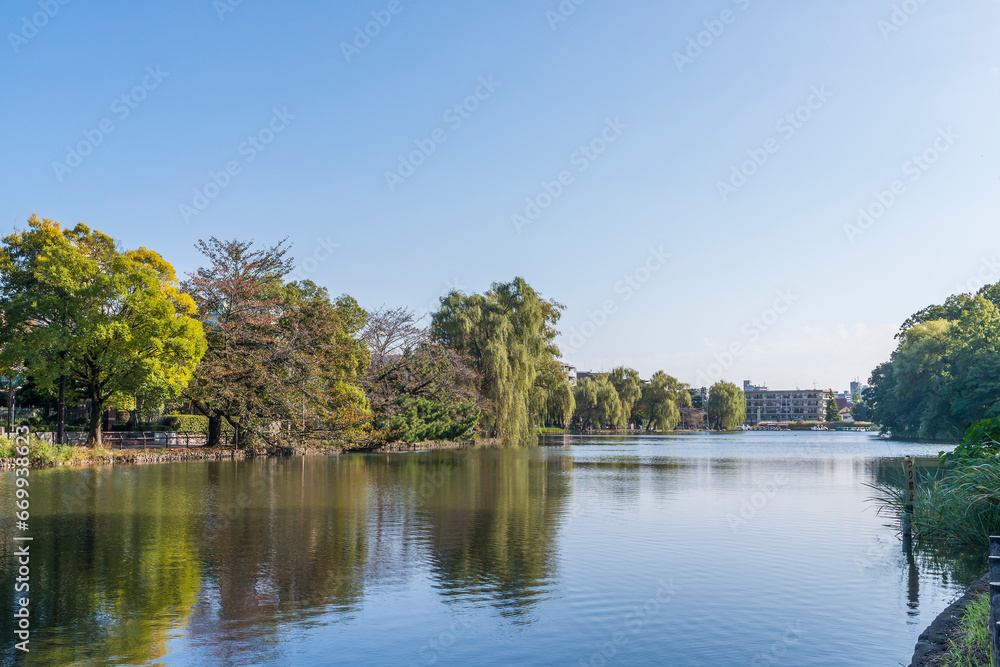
[
  {"x": 41, "y": 452},
  {"x": 971, "y": 648}
]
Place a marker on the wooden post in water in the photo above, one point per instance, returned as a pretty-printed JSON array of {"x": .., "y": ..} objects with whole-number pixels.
[
  {"x": 995, "y": 598},
  {"x": 910, "y": 489}
]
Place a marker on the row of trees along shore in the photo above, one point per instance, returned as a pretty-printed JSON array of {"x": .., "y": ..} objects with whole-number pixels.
[{"x": 263, "y": 359}]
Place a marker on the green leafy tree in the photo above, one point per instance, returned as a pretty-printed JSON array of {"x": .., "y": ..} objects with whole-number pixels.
[
  {"x": 585, "y": 398},
  {"x": 597, "y": 403},
  {"x": 832, "y": 411},
  {"x": 911, "y": 393},
  {"x": 973, "y": 359},
  {"x": 76, "y": 308},
  {"x": 638, "y": 414},
  {"x": 283, "y": 359},
  {"x": 627, "y": 383},
  {"x": 552, "y": 396},
  {"x": 942, "y": 377},
  {"x": 50, "y": 299},
  {"x": 507, "y": 335},
  {"x": 859, "y": 408},
  {"x": 951, "y": 309},
  {"x": 664, "y": 397},
  {"x": 919, "y": 392},
  {"x": 726, "y": 406},
  {"x": 611, "y": 413}
]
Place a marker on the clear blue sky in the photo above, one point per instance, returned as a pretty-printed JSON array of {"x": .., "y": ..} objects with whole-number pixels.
[{"x": 678, "y": 130}]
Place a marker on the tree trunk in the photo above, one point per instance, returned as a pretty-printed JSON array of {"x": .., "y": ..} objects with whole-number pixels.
[
  {"x": 214, "y": 430},
  {"x": 94, "y": 427},
  {"x": 61, "y": 417}
]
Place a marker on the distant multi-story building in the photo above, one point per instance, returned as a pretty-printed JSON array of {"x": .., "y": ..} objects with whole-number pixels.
[
  {"x": 857, "y": 387},
  {"x": 583, "y": 375},
  {"x": 570, "y": 372},
  {"x": 784, "y": 405}
]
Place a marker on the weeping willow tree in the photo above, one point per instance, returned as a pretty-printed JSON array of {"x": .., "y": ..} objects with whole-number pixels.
[
  {"x": 664, "y": 397},
  {"x": 598, "y": 404},
  {"x": 627, "y": 383},
  {"x": 552, "y": 396},
  {"x": 507, "y": 336}
]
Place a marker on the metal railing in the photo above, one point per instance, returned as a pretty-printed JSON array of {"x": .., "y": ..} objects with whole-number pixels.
[{"x": 141, "y": 439}]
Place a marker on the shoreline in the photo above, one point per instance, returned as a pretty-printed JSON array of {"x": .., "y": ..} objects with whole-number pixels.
[
  {"x": 933, "y": 641},
  {"x": 177, "y": 455}
]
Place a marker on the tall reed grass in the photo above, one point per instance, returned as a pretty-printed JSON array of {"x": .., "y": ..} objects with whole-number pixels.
[{"x": 961, "y": 508}]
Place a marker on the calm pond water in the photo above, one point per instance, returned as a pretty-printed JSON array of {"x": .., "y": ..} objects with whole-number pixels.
[{"x": 744, "y": 549}]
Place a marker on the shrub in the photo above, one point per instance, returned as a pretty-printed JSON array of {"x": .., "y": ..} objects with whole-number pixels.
[
  {"x": 192, "y": 423},
  {"x": 421, "y": 420},
  {"x": 981, "y": 442}
]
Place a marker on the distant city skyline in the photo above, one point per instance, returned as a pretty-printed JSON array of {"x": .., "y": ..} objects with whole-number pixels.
[{"x": 729, "y": 192}]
